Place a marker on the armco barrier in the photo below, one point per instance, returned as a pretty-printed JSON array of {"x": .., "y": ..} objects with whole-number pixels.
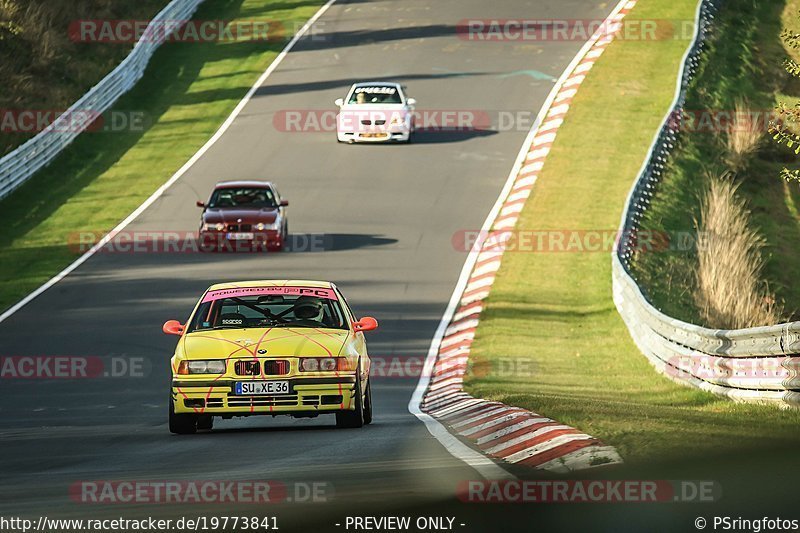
[
  {"x": 18, "y": 166},
  {"x": 756, "y": 364}
]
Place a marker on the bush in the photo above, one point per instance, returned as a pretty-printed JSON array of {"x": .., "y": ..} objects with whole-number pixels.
[{"x": 730, "y": 291}]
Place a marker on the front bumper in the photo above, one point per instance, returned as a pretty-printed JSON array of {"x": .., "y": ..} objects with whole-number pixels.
[
  {"x": 307, "y": 395},
  {"x": 248, "y": 240},
  {"x": 399, "y": 135}
]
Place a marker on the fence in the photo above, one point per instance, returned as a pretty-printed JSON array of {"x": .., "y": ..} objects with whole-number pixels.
[
  {"x": 756, "y": 364},
  {"x": 18, "y": 166}
]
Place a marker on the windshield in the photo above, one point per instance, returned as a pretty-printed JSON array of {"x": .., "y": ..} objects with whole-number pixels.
[
  {"x": 375, "y": 94},
  {"x": 268, "y": 308},
  {"x": 257, "y": 197}
]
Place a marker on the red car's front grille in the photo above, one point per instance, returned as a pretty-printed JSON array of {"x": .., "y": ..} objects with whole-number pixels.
[
  {"x": 247, "y": 367},
  {"x": 240, "y": 227}
]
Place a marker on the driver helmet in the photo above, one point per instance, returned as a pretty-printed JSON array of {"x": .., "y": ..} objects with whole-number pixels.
[{"x": 308, "y": 308}]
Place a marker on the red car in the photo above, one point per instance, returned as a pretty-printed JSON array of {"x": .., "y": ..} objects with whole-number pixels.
[{"x": 244, "y": 216}]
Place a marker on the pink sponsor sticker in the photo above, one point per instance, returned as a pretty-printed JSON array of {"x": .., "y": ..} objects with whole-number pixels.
[{"x": 319, "y": 292}]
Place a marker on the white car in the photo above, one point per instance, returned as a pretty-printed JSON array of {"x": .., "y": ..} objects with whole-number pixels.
[{"x": 375, "y": 111}]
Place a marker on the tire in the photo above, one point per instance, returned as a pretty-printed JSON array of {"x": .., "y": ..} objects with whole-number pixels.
[
  {"x": 368, "y": 403},
  {"x": 354, "y": 418},
  {"x": 205, "y": 422},
  {"x": 183, "y": 423}
]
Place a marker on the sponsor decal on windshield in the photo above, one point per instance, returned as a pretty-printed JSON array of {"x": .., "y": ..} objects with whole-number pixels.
[
  {"x": 258, "y": 291},
  {"x": 376, "y": 90}
]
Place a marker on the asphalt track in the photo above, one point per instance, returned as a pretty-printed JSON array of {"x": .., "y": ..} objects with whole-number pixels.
[{"x": 388, "y": 214}]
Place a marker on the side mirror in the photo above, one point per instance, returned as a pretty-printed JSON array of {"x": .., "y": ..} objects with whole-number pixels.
[
  {"x": 200, "y": 204},
  {"x": 172, "y": 327},
  {"x": 284, "y": 203},
  {"x": 365, "y": 324},
  {"x": 339, "y": 102},
  {"x": 411, "y": 101}
]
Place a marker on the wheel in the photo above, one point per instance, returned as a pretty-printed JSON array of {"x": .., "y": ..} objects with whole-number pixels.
[
  {"x": 354, "y": 418},
  {"x": 205, "y": 422},
  {"x": 368, "y": 403},
  {"x": 183, "y": 423}
]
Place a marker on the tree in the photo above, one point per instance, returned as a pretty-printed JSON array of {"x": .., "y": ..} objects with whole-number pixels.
[{"x": 785, "y": 128}]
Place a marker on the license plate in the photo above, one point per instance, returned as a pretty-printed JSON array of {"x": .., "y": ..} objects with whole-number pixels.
[
  {"x": 240, "y": 236},
  {"x": 374, "y": 135},
  {"x": 261, "y": 388}
]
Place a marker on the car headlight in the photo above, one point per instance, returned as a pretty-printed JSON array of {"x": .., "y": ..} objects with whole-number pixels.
[
  {"x": 323, "y": 364},
  {"x": 261, "y": 226},
  {"x": 202, "y": 367},
  {"x": 398, "y": 120},
  {"x": 208, "y": 227}
]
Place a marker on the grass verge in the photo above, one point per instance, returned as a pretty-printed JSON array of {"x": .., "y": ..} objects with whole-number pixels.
[
  {"x": 187, "y": 92},
  {"x": 743, "y": 63},
  {"x": 42, "y": 67},
  {"x": 555, "y": 309}
]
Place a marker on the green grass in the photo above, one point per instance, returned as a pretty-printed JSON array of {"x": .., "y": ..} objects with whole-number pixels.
[
  {"x": 744, "y": 61},
  {"x": 187, "y": 92},
  {"x": 41, "y": 67},
  {"x": 556, "y": 309}
]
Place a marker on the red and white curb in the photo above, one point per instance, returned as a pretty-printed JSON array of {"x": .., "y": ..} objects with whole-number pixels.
[{"x": 503, "y": 433}]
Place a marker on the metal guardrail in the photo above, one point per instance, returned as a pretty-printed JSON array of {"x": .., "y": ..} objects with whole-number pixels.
[
  {"x": 18, "y": 166},
  {"x": 756, "y": 364}
]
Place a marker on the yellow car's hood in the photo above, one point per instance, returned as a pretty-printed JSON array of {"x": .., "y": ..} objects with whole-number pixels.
[{"x": 297, "y": 342}]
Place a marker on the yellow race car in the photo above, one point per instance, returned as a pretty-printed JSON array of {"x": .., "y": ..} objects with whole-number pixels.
[{"x": 290, "y": 347}]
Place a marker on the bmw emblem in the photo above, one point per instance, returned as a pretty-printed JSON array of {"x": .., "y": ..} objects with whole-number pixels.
[{"x": 262, "y": 351}]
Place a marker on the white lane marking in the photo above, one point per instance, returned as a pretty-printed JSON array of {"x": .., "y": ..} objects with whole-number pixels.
[{"x": 175, "y": 177}]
